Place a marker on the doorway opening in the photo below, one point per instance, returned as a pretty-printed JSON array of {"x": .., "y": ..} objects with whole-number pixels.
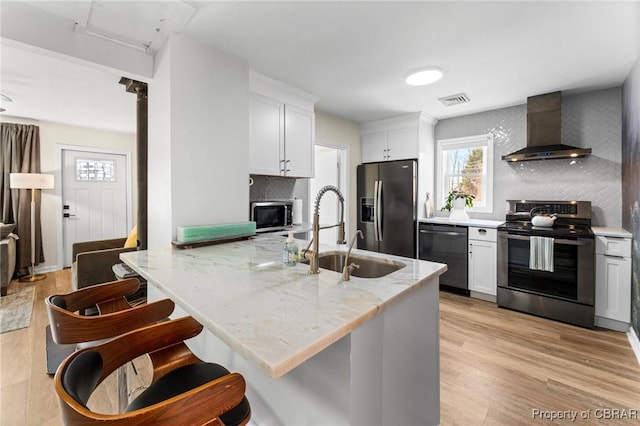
[{"x": 331, "y": 168}]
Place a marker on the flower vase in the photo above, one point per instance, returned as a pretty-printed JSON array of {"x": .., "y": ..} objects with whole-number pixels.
[{"x": 458, "y": 212}]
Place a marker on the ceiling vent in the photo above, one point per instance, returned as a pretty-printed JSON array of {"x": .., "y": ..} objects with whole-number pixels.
[{"x": 460, "y": 98}]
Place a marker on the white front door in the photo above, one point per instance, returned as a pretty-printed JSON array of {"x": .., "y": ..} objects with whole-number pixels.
[{"x": 94, "y": 197}]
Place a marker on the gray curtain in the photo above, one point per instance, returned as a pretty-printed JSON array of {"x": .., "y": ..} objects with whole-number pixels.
[{"x": 20, "y": 149}]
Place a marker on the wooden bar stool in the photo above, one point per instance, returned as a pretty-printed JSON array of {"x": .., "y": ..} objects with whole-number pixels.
[
  {"x": 115, "y": 316},
  {"x": 68, "y": 325},
  {"x": 184, "y": 391}
]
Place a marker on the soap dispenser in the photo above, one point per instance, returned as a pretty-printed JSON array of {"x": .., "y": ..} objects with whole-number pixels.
[{"x": 290, "y": 251}]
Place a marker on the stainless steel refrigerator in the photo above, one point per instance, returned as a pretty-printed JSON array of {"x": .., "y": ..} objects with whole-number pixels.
[{"x": 387, "y": 212}]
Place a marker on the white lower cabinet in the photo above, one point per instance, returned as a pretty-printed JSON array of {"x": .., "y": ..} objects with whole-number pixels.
[
  {"x": 483, "y": 263},
  {"x": 613, "y": 283}
]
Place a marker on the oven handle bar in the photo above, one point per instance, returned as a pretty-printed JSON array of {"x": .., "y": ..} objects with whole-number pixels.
[{"x": 578, "y": 242}]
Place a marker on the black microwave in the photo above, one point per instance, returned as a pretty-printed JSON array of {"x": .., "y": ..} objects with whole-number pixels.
[{"x": 272, "y": 215}]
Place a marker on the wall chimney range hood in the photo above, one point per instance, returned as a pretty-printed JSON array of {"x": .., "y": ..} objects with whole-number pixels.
[{"x": 544, "y": 118}]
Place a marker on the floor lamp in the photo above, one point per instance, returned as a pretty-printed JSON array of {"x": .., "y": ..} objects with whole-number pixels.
[{"x": 31, "y": 181}]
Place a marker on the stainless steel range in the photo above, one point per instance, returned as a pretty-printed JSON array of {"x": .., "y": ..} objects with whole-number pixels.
[{"x": 548, "y": 270}]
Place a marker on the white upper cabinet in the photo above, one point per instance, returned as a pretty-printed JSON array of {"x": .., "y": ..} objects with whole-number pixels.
[
  {"x": 267, "y": 135},
  {"x": 402, "y": 144},
  {"x": 282, "y": 130},
  {"x": 299, "y": 132},
  {"x": 374, "y": 147},
  {"x": 402, "y": 138},
  {"x": 398, "y": 138}
]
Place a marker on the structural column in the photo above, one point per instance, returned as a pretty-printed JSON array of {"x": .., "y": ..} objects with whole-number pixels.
[{"x": 140, "y": 89}]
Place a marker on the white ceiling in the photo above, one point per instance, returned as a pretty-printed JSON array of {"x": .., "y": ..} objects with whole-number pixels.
[{"x": 353, "y": 55}]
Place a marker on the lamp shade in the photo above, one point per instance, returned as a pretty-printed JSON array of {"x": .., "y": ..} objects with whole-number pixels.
[{"x": 30, "y": 181}]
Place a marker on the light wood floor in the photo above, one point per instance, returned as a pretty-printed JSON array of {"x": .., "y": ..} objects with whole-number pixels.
[{"x": 497, "y": 367}]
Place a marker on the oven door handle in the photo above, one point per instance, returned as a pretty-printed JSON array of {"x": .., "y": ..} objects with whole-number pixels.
[
  {"x": 564, "y": 241},
  {"x": 578, "y": 242}
]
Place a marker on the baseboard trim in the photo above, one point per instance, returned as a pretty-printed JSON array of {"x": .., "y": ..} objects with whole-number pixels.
[
  {"x": 635, "y": 343},
  {"x": 611, "y": 324},
  {"x": 482, "y": 296},
  {"x": 46, "y": 269}
]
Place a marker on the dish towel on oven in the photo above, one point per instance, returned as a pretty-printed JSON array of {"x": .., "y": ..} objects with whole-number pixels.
[{"x": 541, "y": 253}]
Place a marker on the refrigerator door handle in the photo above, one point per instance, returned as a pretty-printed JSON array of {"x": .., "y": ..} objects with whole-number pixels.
[
  {"x": 375, "y": 211},
  {"x": 379, "y": 211}
]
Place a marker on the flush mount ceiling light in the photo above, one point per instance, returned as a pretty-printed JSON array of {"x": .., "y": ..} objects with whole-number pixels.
[{"x": 424, "y": 77}]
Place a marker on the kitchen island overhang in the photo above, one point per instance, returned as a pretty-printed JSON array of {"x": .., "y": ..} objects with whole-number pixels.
[{"x": 286, "y": 324}]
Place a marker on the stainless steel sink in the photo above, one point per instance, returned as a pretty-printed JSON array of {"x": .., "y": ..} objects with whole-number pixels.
[{"x": 370, "y": 267}]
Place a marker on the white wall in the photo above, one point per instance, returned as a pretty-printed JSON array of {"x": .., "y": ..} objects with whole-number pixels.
[
  {"x": 199, "y": 123},
  {"x": 330, "y": 128},
  {"x": 159, "y": 170},
  {"x": 51, "y": 136}
]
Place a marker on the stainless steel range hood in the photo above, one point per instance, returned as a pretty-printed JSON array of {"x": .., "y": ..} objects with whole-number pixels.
[{"x": 544, "y": 117}]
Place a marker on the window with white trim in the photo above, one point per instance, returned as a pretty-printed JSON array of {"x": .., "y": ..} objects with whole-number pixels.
[{"x": 466, "y": 164}]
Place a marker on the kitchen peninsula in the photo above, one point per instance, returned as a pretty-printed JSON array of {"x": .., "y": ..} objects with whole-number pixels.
[{"x": 314, "y": 349}]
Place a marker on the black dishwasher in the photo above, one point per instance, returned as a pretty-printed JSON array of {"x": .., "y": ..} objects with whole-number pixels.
[{"x": 446, "y": 244}]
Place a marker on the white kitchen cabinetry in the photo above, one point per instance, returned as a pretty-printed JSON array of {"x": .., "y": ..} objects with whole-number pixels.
[
  {"x": 282, "y": 130},
  {"x": 613, "y": 282},
  {"x": 398, "y": 138},
  {"x": 299, "y": 131},
  {"x": 402, "y": 138},
  {"x": 374, "y": 147},
  {"x": 267, "y": 135},
  {"x": 483, "y": 263},
  {"x": 398, "y": 144}
]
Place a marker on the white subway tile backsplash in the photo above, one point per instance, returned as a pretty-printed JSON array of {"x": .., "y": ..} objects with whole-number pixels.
[{"x": 590, "y": 120}]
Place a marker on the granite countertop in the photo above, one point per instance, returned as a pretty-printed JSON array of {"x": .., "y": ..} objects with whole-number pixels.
[
  {"x": 274, "y": 316},
  {"x": 611, "y": 232},
  {"x": 441, "y": 220}
]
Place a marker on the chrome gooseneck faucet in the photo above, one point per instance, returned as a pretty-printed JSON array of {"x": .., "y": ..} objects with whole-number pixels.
[{"x": 312, "y": 255}]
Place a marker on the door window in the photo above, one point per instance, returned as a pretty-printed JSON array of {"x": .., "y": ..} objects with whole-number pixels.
[{"x": 95, "y": 170}]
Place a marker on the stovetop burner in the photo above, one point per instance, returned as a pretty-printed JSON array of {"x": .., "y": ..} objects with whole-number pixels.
[
  {"x": 526, "y": 228},
  {"x": 573, "y": 218}
]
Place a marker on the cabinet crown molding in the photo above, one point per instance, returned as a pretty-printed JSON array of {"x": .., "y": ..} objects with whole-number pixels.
[
  {"x": 398, "y": 122},
  {"x": 276, "y": 89}
]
